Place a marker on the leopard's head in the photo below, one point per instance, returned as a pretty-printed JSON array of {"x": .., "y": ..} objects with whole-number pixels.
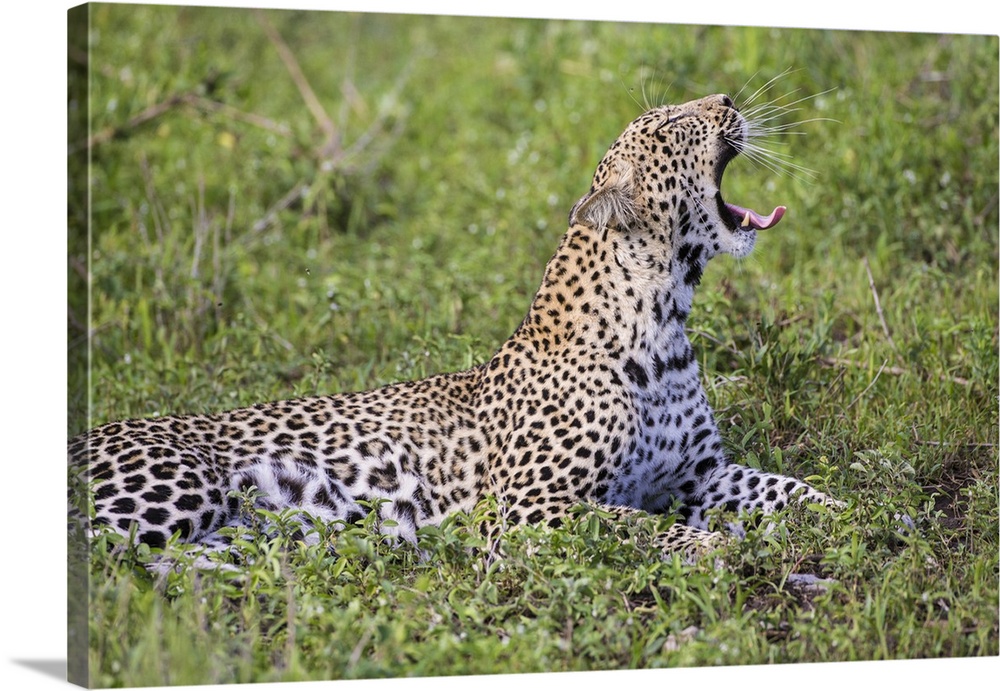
[{"x": 660, "y": 181}]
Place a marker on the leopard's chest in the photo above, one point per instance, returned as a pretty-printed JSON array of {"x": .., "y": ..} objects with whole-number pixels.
[{"x": 672, "y": 429}]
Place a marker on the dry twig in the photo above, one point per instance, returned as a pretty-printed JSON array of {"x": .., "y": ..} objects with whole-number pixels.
[
  {"x": 967, "y": 444},
  {"x": 878, "y": 304},
  {"x": 265, "y": 221},
  {"x": 153, "y": 111},
  {"x": 331, "y": 145},
  {"x": 189, "y": 98},
  {"x": 897, "y": 371},
  {"x": 208, "y": 104},
  {"x": 870, "y": 385}
]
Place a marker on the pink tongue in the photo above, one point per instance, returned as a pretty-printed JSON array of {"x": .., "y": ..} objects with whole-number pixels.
[{"x": 748, "y": 218}]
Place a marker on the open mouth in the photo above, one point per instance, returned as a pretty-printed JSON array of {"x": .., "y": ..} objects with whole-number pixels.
[
  {"x": 738, "y": 217},
  {"x": 746, "y": 219}
]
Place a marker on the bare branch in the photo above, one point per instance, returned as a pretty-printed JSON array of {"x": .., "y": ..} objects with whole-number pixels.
[
  {"x": 897, "y": 371},
  {"x": 331, "y": 144},
  {"x": 878, "y": 304},
  {"x": 153, "y": 111},
  {"x": 268, "y": 218},
  {"x": 236, "y": 114},
  {"x": 870, "y": 385},
  {"x": 966, "y": 444}
]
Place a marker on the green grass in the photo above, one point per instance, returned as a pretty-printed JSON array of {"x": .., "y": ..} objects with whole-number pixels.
[{"x": 420, "y": 254}]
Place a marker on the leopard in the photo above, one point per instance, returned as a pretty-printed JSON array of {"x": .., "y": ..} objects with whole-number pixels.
[{"x": 595, "y": 400}]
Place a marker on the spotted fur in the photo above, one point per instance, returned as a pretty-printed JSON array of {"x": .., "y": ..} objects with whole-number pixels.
[{"x": 594, "y": 399}]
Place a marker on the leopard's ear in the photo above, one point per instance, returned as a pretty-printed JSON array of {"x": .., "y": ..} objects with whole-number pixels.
[{"x": 611, "y": 200}]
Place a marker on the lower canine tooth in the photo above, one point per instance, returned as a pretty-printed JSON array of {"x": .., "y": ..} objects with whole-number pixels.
[{"x": 746, "y": 220}]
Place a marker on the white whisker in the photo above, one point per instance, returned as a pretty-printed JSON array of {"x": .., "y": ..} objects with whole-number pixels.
[
  {"x": 736, "y": 96},
  {"x": 763, "y": 89},
  {"x": 630, "y": 90},
  {"x": 775, "y": 161},
  {"x": 645, "y": 96},
  {"x": 647, "y": 99},
  {"x": 769, "y": 121}
]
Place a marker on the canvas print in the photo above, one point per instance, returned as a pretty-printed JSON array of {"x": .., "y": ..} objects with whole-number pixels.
[{"x": 423, "y": 346}]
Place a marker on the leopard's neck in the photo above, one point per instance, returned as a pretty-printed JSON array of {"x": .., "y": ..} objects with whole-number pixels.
[{"x": 627, "y": 298}]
